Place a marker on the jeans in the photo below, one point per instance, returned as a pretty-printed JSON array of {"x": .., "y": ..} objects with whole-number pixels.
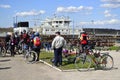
[
  {"x": 58, "y": 56},
  {"x": 37, "y": 50}
]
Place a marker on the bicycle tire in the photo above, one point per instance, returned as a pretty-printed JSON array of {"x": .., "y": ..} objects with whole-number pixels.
[
  {"x": 83, "y": 63},
  {"x": 30, "y": 56},
  {"x": 107, "y": 62},
  {"x": 5, "y": 52}
]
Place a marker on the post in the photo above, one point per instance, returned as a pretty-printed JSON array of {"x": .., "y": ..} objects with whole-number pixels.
[{"x": 73, "y": 29}]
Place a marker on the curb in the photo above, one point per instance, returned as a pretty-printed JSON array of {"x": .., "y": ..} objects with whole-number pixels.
[
  {"x": 50, "y": 65},
  {"x": 70, "y": 70}
]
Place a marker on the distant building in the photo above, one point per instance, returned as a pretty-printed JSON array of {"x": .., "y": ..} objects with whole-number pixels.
[
  {"x": 50, "y": 25},
  {"x": 102, "y": 37},
  {"x": 20, "y": 26}
]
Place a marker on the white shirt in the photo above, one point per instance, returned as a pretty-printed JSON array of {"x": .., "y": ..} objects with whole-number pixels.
[{"x": 58, "y": 42}]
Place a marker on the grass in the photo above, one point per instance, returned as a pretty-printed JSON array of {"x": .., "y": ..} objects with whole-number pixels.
[
  {"x": 67, "y": 62},
  {"x": 115, "y": 48}
]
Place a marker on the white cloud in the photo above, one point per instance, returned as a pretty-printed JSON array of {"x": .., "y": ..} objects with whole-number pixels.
[
  {"x": 110, "y": 5},
  {"x": 30, "y": 13},
  {"x": 104, "y": 22},
  {"x": 115, "y": 1},
  {"x": 108, "y": 14},
  {"x": 73, "y": 9},
  {"x": 5, "y": 6}
]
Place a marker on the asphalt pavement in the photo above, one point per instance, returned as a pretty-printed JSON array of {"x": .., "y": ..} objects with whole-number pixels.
[{"x": 16, "y": 68}]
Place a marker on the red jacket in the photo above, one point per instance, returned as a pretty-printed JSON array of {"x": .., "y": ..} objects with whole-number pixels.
[{"x": 83, "y": 39}]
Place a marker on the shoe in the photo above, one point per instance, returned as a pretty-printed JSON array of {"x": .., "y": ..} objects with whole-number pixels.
[
  {"x": 37, "y": 60},
  {"x": 55, "y": 65}
]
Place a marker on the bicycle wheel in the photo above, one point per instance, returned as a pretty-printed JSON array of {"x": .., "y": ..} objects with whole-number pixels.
[
  {"x": 8, "y": 52},
  {"x": 83, "y": 63},
  {"x": 3, "y": 52},
  {"x": 31, "y": 56},
  {"x": 107, "y": 62}
]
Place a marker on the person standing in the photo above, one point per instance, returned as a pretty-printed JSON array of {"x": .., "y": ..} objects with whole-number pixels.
[
  {"x": 7, "y": 40},
  {"x": 37, "y": 45},
  {"x": 12, "y": 44},
  {"x": 57, "y": 44}
]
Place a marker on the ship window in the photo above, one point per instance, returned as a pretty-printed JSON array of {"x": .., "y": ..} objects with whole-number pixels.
[
  {"x": 66, "y": 21},
  {"x": 60, "y": 21},
  {"x": 47, "y": 30}
]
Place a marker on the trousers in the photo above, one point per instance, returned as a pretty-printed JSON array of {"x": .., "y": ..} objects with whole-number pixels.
[{"x": 58, "y": 56}]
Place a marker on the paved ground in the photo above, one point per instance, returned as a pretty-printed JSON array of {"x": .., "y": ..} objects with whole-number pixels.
[{"x": 15, "y": 68}]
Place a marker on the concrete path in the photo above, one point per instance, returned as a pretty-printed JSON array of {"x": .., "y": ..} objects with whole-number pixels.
[{"x": 15, "y": 68}]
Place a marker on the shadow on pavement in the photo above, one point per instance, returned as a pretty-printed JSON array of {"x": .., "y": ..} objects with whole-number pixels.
[
  {"x": 5, "y": 60},
  {"x": 5, "y": 68}
]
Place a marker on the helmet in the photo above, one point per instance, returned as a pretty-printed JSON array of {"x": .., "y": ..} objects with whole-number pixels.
[
  {"x": 24, "y": 31},
  {"x": 82, "y": 32},
  {"x": 9, "y": 33},
  {"x": 37, "y": 34}
]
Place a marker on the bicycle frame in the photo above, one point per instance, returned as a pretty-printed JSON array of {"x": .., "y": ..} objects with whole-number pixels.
[{"x": 90, "y": 59}]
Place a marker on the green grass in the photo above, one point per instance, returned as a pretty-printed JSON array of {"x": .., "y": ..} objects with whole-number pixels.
[
  {"x": 67, "y": 63},
  {"x": 48, "y": 56},
  {"x": 114, "y": 48}
]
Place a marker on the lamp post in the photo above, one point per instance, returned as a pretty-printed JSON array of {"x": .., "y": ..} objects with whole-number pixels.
[
  {"x": 15, "y": 21},
  {"x": 93, "y": 28},
  {"x": 73, "y": 29}
]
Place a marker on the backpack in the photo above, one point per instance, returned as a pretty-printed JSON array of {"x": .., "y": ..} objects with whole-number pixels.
[{"x": 36, "y": 41}]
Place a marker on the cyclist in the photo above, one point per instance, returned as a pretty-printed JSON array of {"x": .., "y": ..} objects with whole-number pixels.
[
  {"x": 32, "y": 35},
  {"x": 12, "y": 44},
  {"x": 7, "y": 40},
  {"x": 36, "y": 45},
  {"x": 17, "y": 40},
  {"x": 26, "y": 40},
  {"x": 83, "y": 40}
]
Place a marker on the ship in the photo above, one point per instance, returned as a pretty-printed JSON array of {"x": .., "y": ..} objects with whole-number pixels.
[
  {"x": 57, "y": 23},
  {"x": 21, "y": 26}
]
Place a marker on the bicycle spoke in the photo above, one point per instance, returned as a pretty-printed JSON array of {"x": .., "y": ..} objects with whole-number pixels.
[
  {"x": 107, "y": 62},
  {"x": 82, "y": 63}
]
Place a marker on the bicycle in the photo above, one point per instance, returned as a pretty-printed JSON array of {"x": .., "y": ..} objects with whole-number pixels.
[
  {"x": 90, "y": 59},
  {"x": 5, "y": 50},
  {"x": 30, "y": 55},
  {"x": 2, "y": 51}
]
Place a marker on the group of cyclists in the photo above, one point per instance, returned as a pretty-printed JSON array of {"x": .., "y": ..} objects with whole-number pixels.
[
  {"x": 32, "y": 41},
  {"x": 14, "y": 40},
  {"x": 24, "y": 41}
]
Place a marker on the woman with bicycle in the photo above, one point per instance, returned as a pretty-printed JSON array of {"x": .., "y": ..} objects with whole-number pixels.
[{"x": 83, "y": 40}]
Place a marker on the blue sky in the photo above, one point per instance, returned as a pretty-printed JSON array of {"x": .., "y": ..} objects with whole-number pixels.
[{"x": 84, "y": 13}]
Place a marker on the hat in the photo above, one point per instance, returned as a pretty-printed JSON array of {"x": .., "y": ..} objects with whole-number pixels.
[{"x": 57, "y": 32}]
